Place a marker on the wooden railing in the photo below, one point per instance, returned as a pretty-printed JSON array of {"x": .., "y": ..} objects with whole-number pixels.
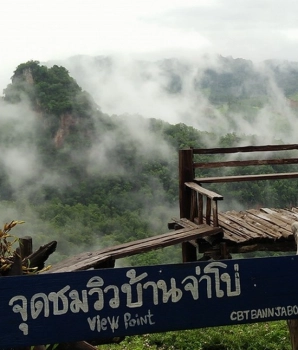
[
  {"x": 197, "y": 204},
  {"x": 244, "y": 163},
  {"x": 191, "y": 193}
]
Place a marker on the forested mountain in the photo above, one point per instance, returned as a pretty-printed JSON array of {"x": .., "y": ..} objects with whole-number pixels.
[
  {"x": 73, "y": 171},
  {"x": 204, "y": 83}
]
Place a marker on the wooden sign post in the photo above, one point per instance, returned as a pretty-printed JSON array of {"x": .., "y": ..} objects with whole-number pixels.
[{"x": 86, "y": 305}]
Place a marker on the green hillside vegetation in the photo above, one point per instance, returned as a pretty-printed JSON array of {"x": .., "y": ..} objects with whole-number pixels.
[
  {"x": 102, "y": 185},
  {"x": 125, "y": 198},
  {"x": 261, "y": 336}
]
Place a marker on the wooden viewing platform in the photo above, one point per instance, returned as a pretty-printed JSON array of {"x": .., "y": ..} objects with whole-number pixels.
[
  {"x": 106, "y": 257},
  {"x": 204, "y": 233},
  {"x": 250, "y": 230},
  {"x": 201, "y": 228}
]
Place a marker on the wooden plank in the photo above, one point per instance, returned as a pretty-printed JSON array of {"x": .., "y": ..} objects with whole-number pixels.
[
  {"x": 38, "y": 258},
  {"x": 239, "y": 232},
  {"x": 183, "y": 222},
  {"x": 92, "y": 259},
  {"x": 270, "y": 218},
  {"x": 25, "y": 246},
  {"x": 189, "y": 252},
  {"x": 186, "y": 173},
  {"x": 263, "y": 246},
  {"x": 278, "y": 215},
  {"x": 252, "y": 230},
  {"x": 208, "y": 211},
  {"x": 268, "y": 230},
  {"x": 293, "y": 329},
  {"x": 290, "y": 213},
  {"x": 16, "y": 267},
  {"x": 121, "y": 302},
  {"x": 240, "y": 178},
  {"x": 193, "y": 206},
  {"x": 200, "y": 210},
  {"x": 266, "y": 148},
  {"x": 210, "y": 194},
  {"x": 215, "y": 213},
  {"x": 237, "y": 163}
]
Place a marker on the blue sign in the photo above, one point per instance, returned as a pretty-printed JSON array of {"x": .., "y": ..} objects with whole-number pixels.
[{"x": 86, "y": 305}]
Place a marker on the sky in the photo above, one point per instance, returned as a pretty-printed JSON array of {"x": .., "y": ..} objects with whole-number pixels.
[{"x": 55, "y": 29}]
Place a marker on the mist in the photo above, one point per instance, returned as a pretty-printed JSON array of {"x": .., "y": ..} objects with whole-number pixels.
[
  {"x": 169, "y": 89},
  {"x": 132, "y": 91}
]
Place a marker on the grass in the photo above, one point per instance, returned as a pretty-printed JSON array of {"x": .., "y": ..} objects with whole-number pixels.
[{"x": 258, "y": 336}]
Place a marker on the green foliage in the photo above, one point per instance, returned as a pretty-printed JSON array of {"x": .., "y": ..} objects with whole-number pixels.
[
  {"x": 265, "y": 336},
  {"x": 50, "y": 90},
  {"x": 134, "y": 194}
]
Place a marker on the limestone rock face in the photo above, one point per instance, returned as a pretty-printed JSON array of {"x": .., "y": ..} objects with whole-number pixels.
[
  {"x": 66, "y": 121},
  {"x": 64, "y": 109}
]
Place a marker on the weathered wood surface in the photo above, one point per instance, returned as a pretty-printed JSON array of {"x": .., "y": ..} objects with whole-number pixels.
[
  {"x": 26, "y": 246},
  {"x": 197, "y": 207},
  {"x": 89, "y": 260},
  {"x": 258, "y": 229},
  {"x": 293, "y": 329},
  {"x": 240, "y": 178},
  {"x": 245, "y": 231},
  {"x": 236, "y": 163},
  {"x": 265, "y": 148},
  {"x": 38, "y": 258},
  {"x": 210, "y": 194},
  {"x": 223, "y": 163},
  {"x": 186, "y": 174}
]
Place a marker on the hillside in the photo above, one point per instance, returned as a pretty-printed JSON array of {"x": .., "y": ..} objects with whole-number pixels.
[
  {"x": 93, "y": 179},
  {"x": 216, "y": 82}
]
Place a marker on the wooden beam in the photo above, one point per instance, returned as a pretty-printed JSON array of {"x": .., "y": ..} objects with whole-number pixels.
[
  {"x": 16, "y": 267},
  {"x": 38, "y": 258},
  {"x": 208, "y": 211},
  {"x": 210, "y": 194},
  {"x": 25, "y": 246},
  {"x": 200, "y": 209},
  {"x": 186, "y": 174},
  {"x": 240, "y": 178},
  {"x": 254, "y": 246},
  {"x": 293, "y": 330},
  {"x": 189, "y": 252},
  {"x": 268, "y": 148},
  {"x": 237, "y": 163},
  {"x": 88, "y": 260}
]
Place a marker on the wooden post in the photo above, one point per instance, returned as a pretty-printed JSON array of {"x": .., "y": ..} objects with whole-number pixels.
[
  {"x": 215, "y": 213},
  {"x": 293, "y": 324},
  {"x": 16, "y": 267},
  {"x": 293, "y": 329},
  {"x": 189, "y": 252},
  {"x": 186, "y": 174},
  {"x": 200, "y": 208},
  {"x": 208, "y": 210},
  {"x": 194, "y": 206},
  {"x": 25, "y": 246}
]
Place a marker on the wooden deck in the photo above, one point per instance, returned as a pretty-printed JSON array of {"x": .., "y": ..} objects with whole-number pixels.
[
  {"x": 106, "y": 257},
  {"x": 259, "y": 229},
  {"x": 201, "y": 228},
  {"x": 245, "y": 231}
]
